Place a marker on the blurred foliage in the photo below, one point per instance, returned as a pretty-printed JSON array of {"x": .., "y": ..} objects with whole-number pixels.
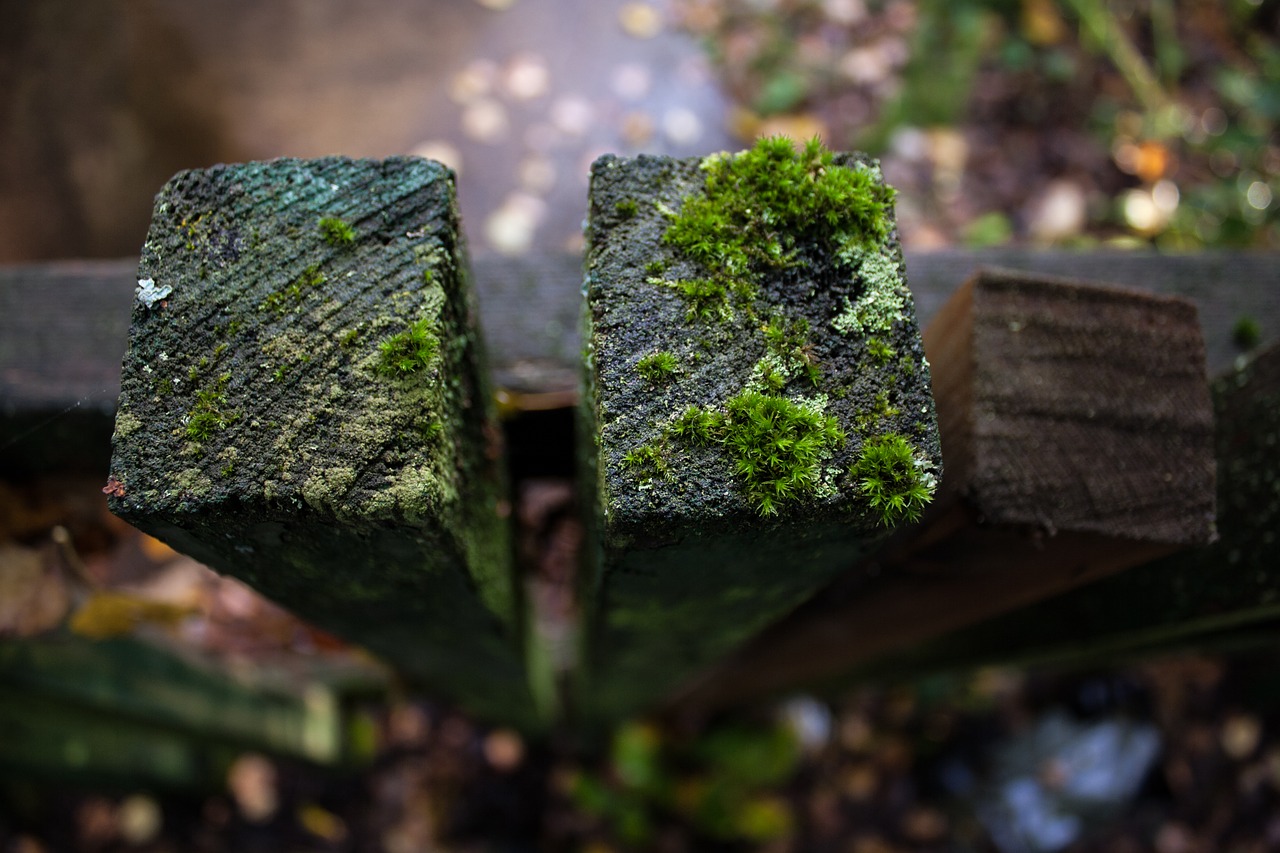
[
  {"x": 721, "y": 786},
  {"x": 1192, "y": 87}
]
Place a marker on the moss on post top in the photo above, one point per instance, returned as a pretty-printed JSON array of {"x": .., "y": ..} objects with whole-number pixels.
[
  {"x": 272, "y": 364},
  {"x": 794, "y": 389}
]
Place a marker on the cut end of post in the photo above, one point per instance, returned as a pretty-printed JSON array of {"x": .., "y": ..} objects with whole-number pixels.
[{"x": 302, "y": 406}]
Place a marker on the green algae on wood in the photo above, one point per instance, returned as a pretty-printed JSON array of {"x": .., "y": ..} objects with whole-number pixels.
[
  {"x": 728, "y": 492},
  {"x": 326, "y": 432}
]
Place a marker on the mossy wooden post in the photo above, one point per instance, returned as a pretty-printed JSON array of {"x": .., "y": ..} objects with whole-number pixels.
[
  {"x": 1077, "y": 432},
  {"x": 756, "y": 411},
  {"x": 302, "y": 405},
  {"x": 1225, "y": 593}
]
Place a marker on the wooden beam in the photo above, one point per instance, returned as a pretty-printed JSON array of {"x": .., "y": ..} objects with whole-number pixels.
[
  {"x": 686, "y": 558},
  {"x": 303, "y": 406},
  {"x": 304, "y": 711},
  {"x": 1229, "y": 589},
  {"x": 1077, "y": 433}
]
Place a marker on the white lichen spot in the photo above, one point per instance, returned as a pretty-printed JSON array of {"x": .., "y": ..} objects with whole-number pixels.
[
  {"x": 882, "y": 299},
  {"x": 149, "y": 294}
]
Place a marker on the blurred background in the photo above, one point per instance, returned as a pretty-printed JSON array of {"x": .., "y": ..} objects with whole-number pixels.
[
  {"x": 1053, "y": 121},
  {"x": 1068, "y": 123}
]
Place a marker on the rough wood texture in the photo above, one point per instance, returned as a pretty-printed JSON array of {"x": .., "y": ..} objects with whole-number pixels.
[
  {"x": 682, "y": 565},
  {"x": 302, "y": 406},
  {"x": 1213, "y": 594},
  {"x": 1077, "y": 432}
]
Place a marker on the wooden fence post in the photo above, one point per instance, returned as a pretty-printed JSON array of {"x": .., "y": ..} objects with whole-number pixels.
[
  {"x": 756, "y": 412},
  {"x": 303, "y": 406},
  {"x": 1225, "y": 593},
  {"x": 1077, "y": 432}
]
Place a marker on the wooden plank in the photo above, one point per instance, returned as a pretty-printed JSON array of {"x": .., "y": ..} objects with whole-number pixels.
[
  {"x": 1229, "y": 590},
  {"x": 1077, "y": 432},
  {"x": 692, "y": 548},
  {"x": 63, "y": 325},
  {"x": 303, "y": 713},
  {"x": 51, "y": 741},
  {"x": 303, "y": 406}
]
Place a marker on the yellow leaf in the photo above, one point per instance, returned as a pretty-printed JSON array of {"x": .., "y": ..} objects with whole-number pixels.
[{"x": 112, "y": 614}]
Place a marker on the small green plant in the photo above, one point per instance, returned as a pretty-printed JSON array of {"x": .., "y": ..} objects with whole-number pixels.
[
  {"x": 647, "y": 460},
  {"x": 294, "y": 292},
  {"x": 697, "y": 426},
  {"x": 777, "y": 447},
  {"x": 410, "y": 351},
  {"x": 881, "y": 353},
  {"x": 336, "y": 232},
  {"x": 893, "y": 480},
  {"x": 657, "y": 366},
  {"x": 706, "y": 299},
  {"x": 209, "y": 415},
  {"x": 725, "y": 785},
  {"x": 627, "y": 208},
  {"x": 655, "y": 268}
]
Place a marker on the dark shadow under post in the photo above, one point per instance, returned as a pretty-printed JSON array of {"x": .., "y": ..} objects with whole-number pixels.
[{"x": 303, "y": 406}]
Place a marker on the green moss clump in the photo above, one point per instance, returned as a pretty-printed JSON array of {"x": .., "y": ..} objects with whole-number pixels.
[
  {"x": 777, "y": 445},
  {"x": 697, "y": 426},
  {"x": 648, "y": 461},
  {"x": 336, "y": 232},
  {"x": 881, "y": 353},
  {"x": 209, "y": 415},
  {"x": 293, "y": 293},
  {"x": 657, "y": 366},
  {"x": 707, "y": 299},
  {"x": 788, "y": 342},
  {"x": 759, "y": 204},
  {"x": 627, "y": 208},
  {"x": 410, "y": 351},
  {"x": 893, "y": 479}
]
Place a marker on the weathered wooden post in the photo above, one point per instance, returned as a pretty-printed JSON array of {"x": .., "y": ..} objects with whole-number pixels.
[
  {"x": 303, "y": 406},
  {"x": 756, "y": 413},
  {"x": 1077, "y": 431},
  {"x": 1227, "y": 592}
]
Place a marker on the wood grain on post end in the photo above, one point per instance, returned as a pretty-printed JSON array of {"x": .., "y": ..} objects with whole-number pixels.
[
  {"x": 302, "y": 406},
  {"x": 1223, "y": 592},
  {"x": 1077, "y": 434}
]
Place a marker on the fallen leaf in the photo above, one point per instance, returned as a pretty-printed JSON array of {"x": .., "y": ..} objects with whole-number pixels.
[
  {"x": 33, "y": 594},
  {"x": 113, "y": 614}
]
